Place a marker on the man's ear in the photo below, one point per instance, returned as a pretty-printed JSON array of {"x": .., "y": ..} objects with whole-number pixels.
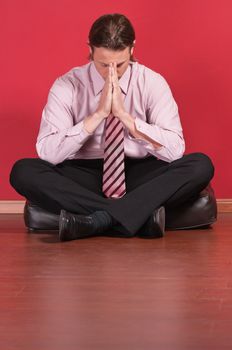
[
  {"x": 90, "y": 51},
  {"x": 132, "y": 48}
]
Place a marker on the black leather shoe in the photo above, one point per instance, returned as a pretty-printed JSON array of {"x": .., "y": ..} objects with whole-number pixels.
[
  {"x": 155, "y": 225},
  {"x": 73, "y": 226}
]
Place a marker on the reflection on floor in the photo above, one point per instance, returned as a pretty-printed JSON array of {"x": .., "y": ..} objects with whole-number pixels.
[{"x": 173, "y": 293}]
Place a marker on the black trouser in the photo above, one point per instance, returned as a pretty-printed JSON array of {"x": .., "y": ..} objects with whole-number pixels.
[{"x": 76, "y": 185}]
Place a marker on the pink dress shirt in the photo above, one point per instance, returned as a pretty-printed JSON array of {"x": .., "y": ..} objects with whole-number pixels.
[{"x": 76, "y": 94}]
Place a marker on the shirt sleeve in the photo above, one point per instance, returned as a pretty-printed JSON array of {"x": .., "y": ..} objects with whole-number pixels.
[
  {"x": 58, "y": 137},
  {"x": 162, "y": 122}
]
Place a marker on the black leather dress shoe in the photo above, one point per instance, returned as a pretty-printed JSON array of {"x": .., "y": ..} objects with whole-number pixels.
[
  {"x": 73, "y": 226},
  {"x": 154, "y": 227}
]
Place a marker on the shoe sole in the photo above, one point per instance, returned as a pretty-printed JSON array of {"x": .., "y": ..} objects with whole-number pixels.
[
  {"x": 61, "y": 225},
  {"x": 158, "y": 231}
]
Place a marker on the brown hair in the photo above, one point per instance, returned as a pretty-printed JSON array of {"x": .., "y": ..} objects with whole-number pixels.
[{"x": 112, "y": 31}]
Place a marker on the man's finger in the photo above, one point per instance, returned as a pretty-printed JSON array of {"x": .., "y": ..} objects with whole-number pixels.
[
  {"x": 115, "y": 75},
  {"x": 108, "y": 81},
  {"x": 112, "y": 71},
  {"x": 115, "y": 71},
  {"x": 110, "y": 74}
]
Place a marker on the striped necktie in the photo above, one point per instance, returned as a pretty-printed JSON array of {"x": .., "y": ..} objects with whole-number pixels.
[{"x": 114, "y": 185}]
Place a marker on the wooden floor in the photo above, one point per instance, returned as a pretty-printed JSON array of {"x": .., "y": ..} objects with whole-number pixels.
[{"x": 111, "y": 293}]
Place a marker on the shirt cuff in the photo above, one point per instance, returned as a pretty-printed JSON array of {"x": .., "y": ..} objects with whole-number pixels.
[
  {"x": 78, "y": 130},
  {"x": 144, "y": 128}
]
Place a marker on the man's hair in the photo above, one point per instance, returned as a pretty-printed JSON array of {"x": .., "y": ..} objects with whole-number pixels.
[{"x": 112, "y": 31}]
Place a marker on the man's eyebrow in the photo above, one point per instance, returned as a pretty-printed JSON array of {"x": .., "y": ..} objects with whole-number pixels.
[{"x": 119, "y": 64}]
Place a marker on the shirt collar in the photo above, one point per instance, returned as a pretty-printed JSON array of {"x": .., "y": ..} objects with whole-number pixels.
[{"x": 98, "y": 82}]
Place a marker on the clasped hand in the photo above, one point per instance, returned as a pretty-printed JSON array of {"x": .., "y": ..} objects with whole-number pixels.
[{"x": 111, "y": 98}]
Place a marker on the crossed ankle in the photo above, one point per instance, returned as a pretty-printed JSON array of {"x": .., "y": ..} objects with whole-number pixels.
[{"x": 103, "y": 220}]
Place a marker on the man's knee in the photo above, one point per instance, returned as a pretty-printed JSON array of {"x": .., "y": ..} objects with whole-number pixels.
[
  {"x": 22, "y": 173},
  {"x": 202, "y": 167}
]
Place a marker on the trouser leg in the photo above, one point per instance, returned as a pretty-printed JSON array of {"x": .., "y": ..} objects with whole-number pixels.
[
  {"x": 172, "y": 184},
  {"x": 71, "y": 185},
  {"x": 150, "y": 184}
]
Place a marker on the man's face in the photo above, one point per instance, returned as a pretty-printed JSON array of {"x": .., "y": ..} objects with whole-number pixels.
[{"x": 102, "y": 57}]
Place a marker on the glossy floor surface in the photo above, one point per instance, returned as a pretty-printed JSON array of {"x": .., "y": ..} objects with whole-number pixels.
[{"x": 116, "y": 293}]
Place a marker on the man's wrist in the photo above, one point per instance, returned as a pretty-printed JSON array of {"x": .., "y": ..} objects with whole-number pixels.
[
  {"x": 124, "y": 116},
  {"x": 99, "y": 115},
  {"x": 92, "y": 121}
]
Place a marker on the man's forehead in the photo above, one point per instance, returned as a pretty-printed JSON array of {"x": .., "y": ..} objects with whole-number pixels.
[
  {"x": 107, "y": 64},
  {"x": 103, "y": 54}
]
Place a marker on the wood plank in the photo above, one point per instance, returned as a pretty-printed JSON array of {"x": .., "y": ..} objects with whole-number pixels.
[{"x": 114, "y": 293}]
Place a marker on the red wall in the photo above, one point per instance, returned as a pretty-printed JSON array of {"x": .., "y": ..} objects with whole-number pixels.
[{"x": 188, "y": 41}]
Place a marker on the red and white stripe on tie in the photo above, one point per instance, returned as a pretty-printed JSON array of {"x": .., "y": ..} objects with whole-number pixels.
[{"x": 114, "y": 185}]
